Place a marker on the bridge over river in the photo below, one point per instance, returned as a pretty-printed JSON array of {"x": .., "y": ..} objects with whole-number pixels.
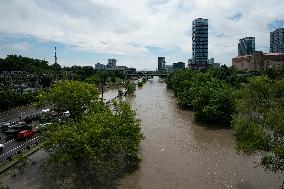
[{"x": 147, "y": 74}]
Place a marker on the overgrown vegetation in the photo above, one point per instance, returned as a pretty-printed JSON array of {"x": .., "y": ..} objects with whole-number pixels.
[
  {"x": 259, "y": 121},
  {"x": 206, "y": 93},
  {"x": 142, "y": 82},
  {"x": 130, "y": 88},
  {"x": 10, "y": 99},
  {"x": 96, "y": 145},
  {"x": 252, "y": 103}
]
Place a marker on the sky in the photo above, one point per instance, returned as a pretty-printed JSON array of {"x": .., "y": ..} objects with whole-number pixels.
[{"x": 135, "y": 32}]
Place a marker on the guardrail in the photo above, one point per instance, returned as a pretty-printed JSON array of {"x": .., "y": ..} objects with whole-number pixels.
[{"x": 17, "y": 150}]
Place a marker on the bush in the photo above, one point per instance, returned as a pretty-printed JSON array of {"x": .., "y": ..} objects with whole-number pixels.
[
  {"x": 129, "y": 88},
  {"x": 140, "y": 84}
]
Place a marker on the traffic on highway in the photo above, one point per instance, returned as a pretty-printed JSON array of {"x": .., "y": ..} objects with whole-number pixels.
[{"x": 20, "y": 128}]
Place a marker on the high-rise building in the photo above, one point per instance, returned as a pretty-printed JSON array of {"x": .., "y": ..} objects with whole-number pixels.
[
  {"x": 161, "y": 63},
  {"x": 277, "y": 41},
  {"x": 246, "y": 46},
  {"x": 200, "y": 41},
  {"x": 111, "y": 63}
]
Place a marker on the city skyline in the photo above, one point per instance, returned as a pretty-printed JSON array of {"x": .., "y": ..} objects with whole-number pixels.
[{"x": 134, "y": 33}]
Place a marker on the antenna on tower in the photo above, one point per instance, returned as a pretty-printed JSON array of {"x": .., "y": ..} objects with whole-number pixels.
[{"x": 55, "y": 57}]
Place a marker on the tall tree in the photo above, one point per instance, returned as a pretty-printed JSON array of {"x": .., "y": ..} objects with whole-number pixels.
[
  {"x": 73, "y": 96},
  {"x": 259, "y": 123},
  {"x": 106, "y": 145}
]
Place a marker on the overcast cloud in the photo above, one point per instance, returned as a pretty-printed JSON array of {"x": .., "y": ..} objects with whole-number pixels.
[{"x": 137, "y": 31}]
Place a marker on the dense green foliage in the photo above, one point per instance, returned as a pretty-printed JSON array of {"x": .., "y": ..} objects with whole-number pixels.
[
  {"x": 142, "y": 82},
  {"x": 19, "y": 63},
  {"x": 130, "y": 88},
  {"x": 95, "y": 147},
  {"x": 259, "y": 122},
  {"x": 10, "y": 99},
  {"x": 253, "y": 103},
  {"x": 210, "y": 97},
  {"x": 73, "y": 96}
]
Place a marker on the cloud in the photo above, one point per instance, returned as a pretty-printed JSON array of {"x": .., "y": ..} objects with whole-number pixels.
[
  {"x": 236, "y": 17},
  {"x": 129, "y": 28},
  {"x": 24, "y": 46}
]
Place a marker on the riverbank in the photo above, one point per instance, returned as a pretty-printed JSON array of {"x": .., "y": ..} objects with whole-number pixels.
[{"x": 177, "y": 151}]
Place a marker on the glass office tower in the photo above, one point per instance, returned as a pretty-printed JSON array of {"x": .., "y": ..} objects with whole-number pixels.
[{"x": 200, "y": 41}]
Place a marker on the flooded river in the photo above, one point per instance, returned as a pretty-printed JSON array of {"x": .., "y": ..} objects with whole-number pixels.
[
  {"x": 180, "y": 153},
  {"x": 177, "y": 152}
]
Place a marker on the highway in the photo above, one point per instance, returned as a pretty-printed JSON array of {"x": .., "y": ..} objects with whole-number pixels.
[{"x": 11, "y": 147}]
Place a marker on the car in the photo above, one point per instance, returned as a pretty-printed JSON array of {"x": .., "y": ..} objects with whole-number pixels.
[
  {"x": 5, "y": 126},
  {"x": 1, "y": 147},
  {"x": 21, "y": 127},
  {"x": 24, "y": 134}
]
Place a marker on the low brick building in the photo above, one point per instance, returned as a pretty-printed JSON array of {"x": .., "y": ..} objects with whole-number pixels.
[{"x": 259, "y": 61}]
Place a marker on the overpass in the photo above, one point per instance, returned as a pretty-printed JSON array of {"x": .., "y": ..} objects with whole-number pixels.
[{"x": 147, "y": 74}]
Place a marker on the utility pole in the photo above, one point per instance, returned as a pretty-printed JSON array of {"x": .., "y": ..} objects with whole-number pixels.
[{"x": 102, "y": 85}]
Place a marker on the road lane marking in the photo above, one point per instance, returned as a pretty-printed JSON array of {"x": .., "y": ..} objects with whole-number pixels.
[
  {"x": 9, "y": 141},
  {"x": 19, "y": 146}
]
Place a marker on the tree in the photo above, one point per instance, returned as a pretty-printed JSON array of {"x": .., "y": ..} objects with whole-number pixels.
[
  {"x": 210, "y": 97},
  {"x": 259, "y": 123},
  {"x": 106, "y": 144},
  {"x": 130, "y": 88},
  {"x": 73, "y": 96}
]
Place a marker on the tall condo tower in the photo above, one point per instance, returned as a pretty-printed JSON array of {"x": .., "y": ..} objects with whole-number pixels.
[
  {"x": 246, "y": 46},
  {"x": 161, "y": 63},
  {"x": 200, "y": 41},
  {"x": 55, "y": 57},
  {"x": 277, "y": 41}
]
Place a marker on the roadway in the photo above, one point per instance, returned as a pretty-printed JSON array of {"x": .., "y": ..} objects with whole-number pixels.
[{"x": 11, "y": 147}]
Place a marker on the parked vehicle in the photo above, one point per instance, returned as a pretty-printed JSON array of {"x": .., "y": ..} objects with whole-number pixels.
[
  {"x": 11, "y": 133},
  {"x": 21, "y": 127},
  {"x": 1, "y": 147},
  {"x": 24, "y": 134},
  {"x": 5, "y": 126}
]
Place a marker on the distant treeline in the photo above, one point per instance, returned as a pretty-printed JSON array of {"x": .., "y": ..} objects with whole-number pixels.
[
  {"x": 19, "y": 63},
  {"x": 9, "y": 98},
  {"x": 36, "y": 66}
]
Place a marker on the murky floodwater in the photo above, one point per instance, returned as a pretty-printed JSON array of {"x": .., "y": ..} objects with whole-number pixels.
[
  {"x": 180, "y": 153},
  {"x": 177, "y": 152}
]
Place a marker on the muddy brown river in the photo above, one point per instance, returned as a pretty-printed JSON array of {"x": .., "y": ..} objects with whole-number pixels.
[
  {"x": 180, "y": 153},
  {"x": 177, "y": 152}
]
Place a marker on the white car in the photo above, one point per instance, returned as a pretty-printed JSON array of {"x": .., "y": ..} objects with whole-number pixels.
[{"x": 1, "y": 147}]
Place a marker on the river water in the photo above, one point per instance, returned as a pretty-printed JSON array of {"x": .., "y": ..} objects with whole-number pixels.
[
  {"x": 177, "y": 152},
  {"x": 180, "y": 153}
]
